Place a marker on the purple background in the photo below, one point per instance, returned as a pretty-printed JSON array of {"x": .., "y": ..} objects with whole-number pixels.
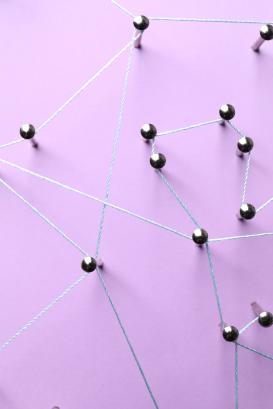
[{"x": 76, "y": 356}]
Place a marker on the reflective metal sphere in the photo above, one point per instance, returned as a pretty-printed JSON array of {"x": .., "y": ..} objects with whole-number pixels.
[
  {"x": 266, "y": 32},
  {"x": 27, "y": 131},
  {"x": 265, "y": 319},
  {"x": 89, "y": 264},
  {"x": 245, "y": 144},
  {"x": 200, "y": 236},
  {"x": 148, "y": 131},
  {"x": 141, "y": 22},
  {"x": 227, "y": 112},
  {"x": 230, "y": 333},
  {"x": 247, "y": 211},
  {"x": 157, "y": 160}
]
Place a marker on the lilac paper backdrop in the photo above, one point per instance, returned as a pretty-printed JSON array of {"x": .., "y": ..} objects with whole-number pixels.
[{"x": 76, "y": 355}]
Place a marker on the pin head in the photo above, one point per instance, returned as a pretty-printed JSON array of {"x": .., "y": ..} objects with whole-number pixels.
[
  {"x": 245, "y": 144},
  {"x": 227, "y": 112},
  {"x": 141, "y": 22},
  {"x": 266, "y": 32},
  {"x": 247, "y": 211},
  {"x": 200, "y": 236},
  {"x": 230, "y": 333},
  {"x": 148, "y": 131},
  {"x": 89, "y": 264},
  {"x": 158, "y": 160},
  {"x": 27, "y": 131},
  {"x": 265, "y": 319}
]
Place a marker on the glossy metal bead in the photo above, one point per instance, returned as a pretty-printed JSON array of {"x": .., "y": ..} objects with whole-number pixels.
[
  {"x": 148, "y": 131},
  {"x": 247, "y": 211},
  {"x": 200, "y": 236},
  {"x": 141, "y": 23},
  {"x": 245, "y": 145},
  {"x": 266, "y": 34},
  {"x": 27, "y": 131},
  {"x": 227, "y": 112},
  {"x": 230, "y": 333},
  {"x": 158, "y": 160},
  {"x": 89, "y": 264},
  {"x": 265, "y": 319}
]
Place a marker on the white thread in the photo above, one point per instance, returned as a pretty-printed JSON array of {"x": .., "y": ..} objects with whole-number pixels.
[
  {"x": 178, "y": 199},
  {"x": 127, "y": 338},
  {"x": 77, "y": 93},
  {"x": 115, "y": 146},
  {"x": 256, "y": 352},
  {"x": 264, "y": 205},
  {"x": 87, "y": 83},
  {"x": 245, "y": 236},
  {"x": 123, "y": 8},
  {"x": 102, "y": 219},
  {"x": 236, "y": 378},
  {"x": 209, "y": 20},
  {"x": 113, "y": 206},
  {"x": 105, "y": 203},
  {"x": 248, "y": 325},
  {"x": 235, "y": 128},
  {"x": 43, "y": 312},
  {"x": 189, "y": 127},
  {"x": 57, "y": 229},
  {"x": 154, "y": 147},
  {"x": 215, "y": 288},
  {"x": 246, "y": 178},
  {"x": 12, "y": 143}
]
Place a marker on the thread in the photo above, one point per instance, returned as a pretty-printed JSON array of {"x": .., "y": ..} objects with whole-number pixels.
[
  {"x": 215, "y": 288},
  {"x": 127, "y": 339},
  {"x": 255, "y": 351},
  {"x": 115, "y": 147},
  {"x": 86, "y": 84},
  {"x": 91, "y": 197},
  {"x": 264, "y": 205},
  {"x": 43, "y": 312},
  {"x": 248, "y": 325},
  {"x": 106, "y": 203},
  {"x": 245, "y": 236},
  {"x": 178, "y": 199},
  {"x": 123, "y": 8},
  {"x": 236, "y": 378},
  {"x": 246, "y": 178},
  {"x": 43, "y": 217},
  {"x": 209, "y": 20},
  {"x": 186, "y": 128}
]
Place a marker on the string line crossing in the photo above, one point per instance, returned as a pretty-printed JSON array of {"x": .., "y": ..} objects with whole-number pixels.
[{"x": 106, "y": 203}]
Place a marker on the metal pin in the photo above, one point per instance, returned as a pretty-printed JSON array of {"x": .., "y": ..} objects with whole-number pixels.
[
  {"x": 200, "y": 236},
  {"x": 266, "y": 34},
  {"x": 244, "y": 146},
  {"x": 229, "y": 332},
  {"x": 247, "y": 212},
  {"x": 34, "y": 143},
  {"x": 226, "y": 112},
  {"x": 265, "y": 318},
  {"x": 100, "y": 263},
  {"x": 257, "y": 309},
  {"x": 27, "y": 131},
  {"x": 141, "y": 23},
  {"x": 148, "y": 132}
]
